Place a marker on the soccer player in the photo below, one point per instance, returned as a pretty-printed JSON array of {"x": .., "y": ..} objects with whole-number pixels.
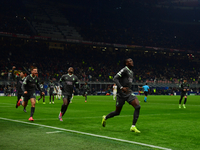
[
  {"x": 42, "y": 96},
  {"x": 184, "y": 89},
  {"x": 146, "y": 91},
  {"x": 123, "y": 80},
  {"x": 20, "y": 80},
  {"x": 59, "y": 93},
  {"x": 28, "y": 86},
  {"x": 5, "y": 91},
  {"x": 51, "y": 91},
  {"x": 86, "y": 89},
  {"x": 114, "y": 91},
  {"x": 67, "y": 82}
]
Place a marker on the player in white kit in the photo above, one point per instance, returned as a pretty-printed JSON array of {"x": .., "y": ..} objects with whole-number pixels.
[
  {"x": 114, "y": 91},
  {"x": 59, "y": 92}
]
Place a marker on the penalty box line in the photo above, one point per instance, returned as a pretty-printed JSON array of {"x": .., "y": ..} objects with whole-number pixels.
[{"x": 85, "y": 133}]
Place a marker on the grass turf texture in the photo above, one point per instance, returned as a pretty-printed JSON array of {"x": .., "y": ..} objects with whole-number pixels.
[{"x": 161, "y": 123}]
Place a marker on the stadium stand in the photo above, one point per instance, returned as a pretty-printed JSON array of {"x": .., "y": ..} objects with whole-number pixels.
[{"x": 127, "y": 23}]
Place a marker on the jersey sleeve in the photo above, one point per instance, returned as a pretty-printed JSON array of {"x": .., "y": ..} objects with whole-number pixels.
[
  {"x": 38, "y": 85},
  {"x": 24, "y": 83},
  {"x": 76, "y": 81},
  {"x": 61, "y": 79},
  {"x": 118, "y": 76}
]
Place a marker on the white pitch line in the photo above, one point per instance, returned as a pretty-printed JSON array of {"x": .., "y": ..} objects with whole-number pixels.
[
  {"x": 89, "y": 134},
  {"x": 53, "y": 132}
]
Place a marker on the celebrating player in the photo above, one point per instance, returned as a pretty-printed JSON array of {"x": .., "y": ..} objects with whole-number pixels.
[
  {"x": 124, "y": 79},
  {"x": 114, "y": 91},
  {"x": 42, "y": 96},
  {"x": 20, "y": 80},
  {"x": 86, "y": 89},
  {"x": 67, "y": 82},
  {"x": 146, "y": 91},
  {"x": 28, "y": 86},
  {"x": 51, "y": 91},
  {"x": 59, "y": 93},
  {"x": 184, "y": 89}
]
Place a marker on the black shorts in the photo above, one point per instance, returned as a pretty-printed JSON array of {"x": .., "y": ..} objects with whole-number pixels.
[
  {"x": 29, "y": 95},
  {"x": 67, "y": 96},
  {"x": 145, "y": 93},
  {"x": 19, "y": 95},
  {"x": 121, "y": 100},
  {"x": 85, "y": 93},
  {"x": 41, "y": 93},
  {"x": 183, "y": 94},
  {"x": 51, "y": 93}
]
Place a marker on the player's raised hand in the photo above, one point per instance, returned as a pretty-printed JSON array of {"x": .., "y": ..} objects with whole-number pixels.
[
  {"x": 25, "y": 92},
  {"x": 125, "y": 89}
]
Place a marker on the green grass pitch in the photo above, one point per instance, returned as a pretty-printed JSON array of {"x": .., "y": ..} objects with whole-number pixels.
[{"x": 161, "y": 123}]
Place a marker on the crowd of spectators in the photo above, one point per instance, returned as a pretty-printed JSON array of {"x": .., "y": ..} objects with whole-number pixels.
[{"x": 96, "y": 63}]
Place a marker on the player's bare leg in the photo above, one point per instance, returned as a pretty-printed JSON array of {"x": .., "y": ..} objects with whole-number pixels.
[
  {"x": 32, "y": 108},
  {"x": 185, "y": 102}
]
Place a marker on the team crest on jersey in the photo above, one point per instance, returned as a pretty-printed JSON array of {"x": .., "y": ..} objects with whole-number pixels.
[
  {"x": 66, "y": 78},
  {"x": 73, "y": 79}
]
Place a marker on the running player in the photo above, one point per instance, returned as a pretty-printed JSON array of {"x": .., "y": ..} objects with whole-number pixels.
[
  {"x": 123, "y": 80},
  {"x": 184, "y": 89},
  {"x": 114, "y": 91},
  {"x": 59, "y": 93},
  {"x": 67, "y": 82},
  {"x": 28, "y": 86},
  {"x": 51, "y": 91},
  {"x": 41, "y": 96},
  {"x": 86, "y": 89},
  {"x": 20, "y": 80},
  {"x": 146, "y": 91}
]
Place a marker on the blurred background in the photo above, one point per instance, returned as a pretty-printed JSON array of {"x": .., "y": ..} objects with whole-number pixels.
[{"x": 95, "y": 37}]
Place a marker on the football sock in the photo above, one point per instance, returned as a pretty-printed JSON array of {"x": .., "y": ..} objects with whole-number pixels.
[
  {"x": 50, "y": 99},
  {"x": 185, "y": 100},
  {"x": 43, "y": 100},
  {"x": 86, "y": 97},
  {"x": 32, "y": 111},
  {"x": 112, "y": 114},
  {"x": 21, "y": 102},
  {"x": 180, "y": 100},
  {"x": 63, "y": 109},
  {"x": 39, "y": 99},
  {"x": 145, "y": 98},
  {"x": 136, "y": 114}
]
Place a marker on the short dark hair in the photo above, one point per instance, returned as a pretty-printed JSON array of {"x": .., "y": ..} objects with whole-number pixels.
[
  {"x": 33, "y": 67},
  {"x": 23, "y": 72},
  {"x": 126, "y": 61}
]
